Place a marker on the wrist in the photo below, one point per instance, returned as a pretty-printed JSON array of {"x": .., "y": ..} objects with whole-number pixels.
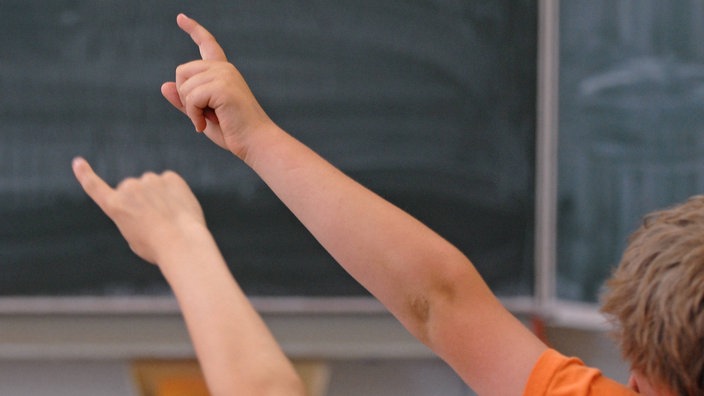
[
  {"x": 181, "y": 245},
  {"x": 259, "y": 141}
]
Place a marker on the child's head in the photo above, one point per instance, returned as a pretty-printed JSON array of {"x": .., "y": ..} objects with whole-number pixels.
[{"x": 656, "y": 298}]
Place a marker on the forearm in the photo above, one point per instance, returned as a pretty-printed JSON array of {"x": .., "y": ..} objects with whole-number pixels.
[
  {"x": 236, "y": 351},
  {"x": 397, "y": 258}
]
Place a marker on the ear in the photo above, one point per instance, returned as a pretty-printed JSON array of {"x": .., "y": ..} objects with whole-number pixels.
[
  {"x": 642, "y": 385},
  {"x": 633, "y": 383}
]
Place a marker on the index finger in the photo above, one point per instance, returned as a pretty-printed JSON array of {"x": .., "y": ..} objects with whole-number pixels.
[
  {"x": 207, "y": 45},
  {"x": 92, "y": 184}
]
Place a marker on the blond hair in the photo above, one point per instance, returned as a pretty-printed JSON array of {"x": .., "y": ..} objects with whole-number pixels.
[{"x": 655, "y": 298}]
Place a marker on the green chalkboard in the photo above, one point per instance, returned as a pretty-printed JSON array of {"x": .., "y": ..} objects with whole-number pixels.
[
  {"x": 631, "y": 126},
  {"x": 429, "y": 103}
]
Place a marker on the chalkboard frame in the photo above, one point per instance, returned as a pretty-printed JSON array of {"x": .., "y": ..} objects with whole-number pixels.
[{"x": 122, "y": 304}]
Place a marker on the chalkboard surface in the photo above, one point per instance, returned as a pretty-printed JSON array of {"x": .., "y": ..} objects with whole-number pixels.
[
  {"x": 631, "y": 126},
  {"x": 429, "y": 103}
]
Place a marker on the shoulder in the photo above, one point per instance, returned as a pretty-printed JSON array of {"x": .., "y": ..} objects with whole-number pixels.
[{"x": 555, "y": 373}]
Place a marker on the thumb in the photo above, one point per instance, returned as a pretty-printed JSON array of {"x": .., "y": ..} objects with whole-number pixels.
[{"x": 168, "y": 90}]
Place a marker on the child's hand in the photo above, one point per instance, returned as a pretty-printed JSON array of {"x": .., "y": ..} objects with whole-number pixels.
[
  {"x": 213, "y": 94},
  {"x": 149, "y": 212}
]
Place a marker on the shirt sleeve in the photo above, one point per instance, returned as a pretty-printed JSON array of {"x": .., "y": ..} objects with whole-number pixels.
[{"x": 557, "y": 375}]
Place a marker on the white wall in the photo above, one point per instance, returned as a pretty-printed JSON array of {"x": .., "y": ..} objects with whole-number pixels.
[{"x": 357, "y": 375}]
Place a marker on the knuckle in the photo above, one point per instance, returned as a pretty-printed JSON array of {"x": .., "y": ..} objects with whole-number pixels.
[
  {"x": 169, "y": 175},
  {"x": 149, "y": 176},
  {"x": 127, "y": 184},
  {"x": 181, "y": 68}
]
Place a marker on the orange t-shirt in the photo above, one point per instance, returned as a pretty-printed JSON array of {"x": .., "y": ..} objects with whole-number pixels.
[{"x": 557, "y": 375}]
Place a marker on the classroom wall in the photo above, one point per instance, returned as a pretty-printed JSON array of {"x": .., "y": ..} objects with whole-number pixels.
[
  {"x": 367, "y": 353},
  {"x": 370, "y": 377}
]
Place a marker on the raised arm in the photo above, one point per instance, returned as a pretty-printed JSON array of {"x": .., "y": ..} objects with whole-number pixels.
[
  {"x": 163, "y": 223},
  {"x": 429, "y": 285}
]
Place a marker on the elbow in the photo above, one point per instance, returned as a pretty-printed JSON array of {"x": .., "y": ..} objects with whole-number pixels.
[
  {"x": 445, "y": 291},
  {"x": 427, "y": 310},
  {"x": 428, "y": 303},
  {"x": 419, "y": 308}
]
